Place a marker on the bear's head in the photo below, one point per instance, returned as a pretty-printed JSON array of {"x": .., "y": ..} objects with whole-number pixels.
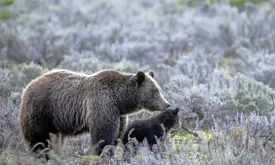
[
  {"x": 170, "y": 119},
  {"x": 149, "y": 93}
]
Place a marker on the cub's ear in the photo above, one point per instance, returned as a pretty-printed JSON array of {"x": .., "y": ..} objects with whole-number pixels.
[
  {"x": 139, "y": 77},
  {"x": 151, "y": 73},
  {"x": 175, "y": 111}
]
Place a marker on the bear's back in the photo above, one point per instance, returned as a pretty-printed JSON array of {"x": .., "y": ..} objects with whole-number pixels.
[{"x": 49, "y": 82}]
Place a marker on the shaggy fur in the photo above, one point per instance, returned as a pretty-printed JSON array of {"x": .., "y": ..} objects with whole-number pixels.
[
  {"x": 122, "y": 128},
  {"x": 153, "y": 128},
  {"x": 67, "y": 103}
]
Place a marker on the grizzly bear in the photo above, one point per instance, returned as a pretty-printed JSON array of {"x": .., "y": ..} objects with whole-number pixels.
[
  {"x": 66, "y": 103},
  {"x": 152, "y": 129}
]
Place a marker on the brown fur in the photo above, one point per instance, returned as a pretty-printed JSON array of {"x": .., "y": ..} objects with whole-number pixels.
[{"x": 68, "y": 103}]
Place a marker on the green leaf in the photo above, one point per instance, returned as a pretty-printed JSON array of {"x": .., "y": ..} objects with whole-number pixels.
[
  {"x": 5, "y": 15},
  {"x": 241, "y": 3},
  {"x": 182, "y": 2},
  {"x": 6, "y": 2}
]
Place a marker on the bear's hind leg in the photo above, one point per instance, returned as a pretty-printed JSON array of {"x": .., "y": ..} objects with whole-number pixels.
[
  {"x": 41, "y": 142},
  {"x": 40, "y": 147}
]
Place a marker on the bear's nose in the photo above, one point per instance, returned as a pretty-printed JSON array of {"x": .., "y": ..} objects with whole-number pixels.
[{"x": 167, "y": 105}]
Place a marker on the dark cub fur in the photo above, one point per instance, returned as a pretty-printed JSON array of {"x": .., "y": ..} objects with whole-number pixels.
[{"x": 152, "y": 128}]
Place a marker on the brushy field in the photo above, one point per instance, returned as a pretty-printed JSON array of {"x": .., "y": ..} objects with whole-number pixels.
[{"x": 214, "y": 59}]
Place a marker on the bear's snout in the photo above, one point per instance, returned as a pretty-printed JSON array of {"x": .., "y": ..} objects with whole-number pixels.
[{"x": 167, "y": 105}]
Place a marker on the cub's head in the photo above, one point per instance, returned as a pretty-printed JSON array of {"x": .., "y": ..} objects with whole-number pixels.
[
  {"x": 149, "y": 93},
  {"x": 170, "y": 118}
]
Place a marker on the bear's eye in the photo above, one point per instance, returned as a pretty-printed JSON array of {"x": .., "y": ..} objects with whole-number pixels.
[{"x": 155, "y": 94}]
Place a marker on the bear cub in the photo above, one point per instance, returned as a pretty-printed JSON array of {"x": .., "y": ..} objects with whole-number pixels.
[{"x": 153, "y": 128}]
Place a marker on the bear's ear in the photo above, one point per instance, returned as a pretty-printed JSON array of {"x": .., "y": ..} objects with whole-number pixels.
[
  {"x": 151, "y": 73},
  {"x": 175, "y": 111},
  {"x": 139, "y": 77}
]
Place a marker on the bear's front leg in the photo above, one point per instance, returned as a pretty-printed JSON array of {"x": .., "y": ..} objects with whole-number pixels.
[
  {"x": 102, "y": 134},
  {"x": 122, "y": 126}
]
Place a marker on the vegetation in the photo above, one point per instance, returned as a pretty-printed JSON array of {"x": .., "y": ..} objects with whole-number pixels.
[
  {"x": 214, "y": 59},
  {"x": 5, "y": 14}
]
